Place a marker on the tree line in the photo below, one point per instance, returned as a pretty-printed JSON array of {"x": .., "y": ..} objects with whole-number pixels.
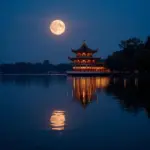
[
  {"x": 34, "y": 68},
  {"x": 134, "y": 55}
]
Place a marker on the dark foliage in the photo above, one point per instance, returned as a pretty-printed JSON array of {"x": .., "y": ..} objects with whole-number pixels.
[
  {"x": 34, "y": 68},
  {"x": 133, "y": 55}
]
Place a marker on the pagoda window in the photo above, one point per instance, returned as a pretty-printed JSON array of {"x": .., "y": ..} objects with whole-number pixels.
[
  {"x": 83, "y": 61},
  {"x": 79, "y": 54},
  {"x": 97, "y": 68},
  {"x": 89, "y": 54},
  {"x": 83, "y": 54},
  {"x": 89, "y": 61}
]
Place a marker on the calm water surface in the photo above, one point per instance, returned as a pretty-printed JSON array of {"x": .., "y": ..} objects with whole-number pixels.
[{"x": 43, "y": 113}]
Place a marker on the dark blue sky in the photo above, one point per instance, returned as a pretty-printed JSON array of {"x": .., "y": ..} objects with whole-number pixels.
[{"x": 25, "y": 35}]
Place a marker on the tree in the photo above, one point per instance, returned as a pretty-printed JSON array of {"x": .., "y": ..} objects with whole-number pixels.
[
  {"x": 126, "y": 58},
  {"x": 131, "y": 43},
  {"x": 147, "y": 43},
  {"x": 46, "y": 62}
]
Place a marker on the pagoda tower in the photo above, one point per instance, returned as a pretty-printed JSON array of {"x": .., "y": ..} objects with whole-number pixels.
[{"x": 85, "y": 60}]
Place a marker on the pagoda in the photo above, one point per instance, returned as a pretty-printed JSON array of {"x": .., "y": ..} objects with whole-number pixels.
[{"x": 85, "y": 62}]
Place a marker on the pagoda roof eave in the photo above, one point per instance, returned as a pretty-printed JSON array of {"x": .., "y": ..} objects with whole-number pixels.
[
  {"x": 84, "y": 48},
  {"x": 86, "y": 51},
  {"x": 90, "y": 64}
]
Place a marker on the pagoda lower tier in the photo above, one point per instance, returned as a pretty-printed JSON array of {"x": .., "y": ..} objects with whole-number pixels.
[{"x": 89, "y": 68}]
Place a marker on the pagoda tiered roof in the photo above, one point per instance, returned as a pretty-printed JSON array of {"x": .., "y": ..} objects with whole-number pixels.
[{"x": 84, "y": 48}]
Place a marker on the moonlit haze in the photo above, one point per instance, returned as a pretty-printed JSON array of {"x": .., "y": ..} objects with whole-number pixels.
[{"x": 25, "y": 27}]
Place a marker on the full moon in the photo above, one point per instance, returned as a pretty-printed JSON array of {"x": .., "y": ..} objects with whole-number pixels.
[{"x": 57, "y": 27}]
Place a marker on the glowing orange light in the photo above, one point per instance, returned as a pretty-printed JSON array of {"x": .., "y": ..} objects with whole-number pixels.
[{"x": 58, "y": 120}]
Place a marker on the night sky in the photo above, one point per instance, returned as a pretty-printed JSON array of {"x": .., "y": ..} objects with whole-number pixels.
[{"x": 25, "y": 35}]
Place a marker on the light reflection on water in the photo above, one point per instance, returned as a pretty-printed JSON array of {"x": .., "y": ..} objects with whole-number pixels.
[
  {"x": 58, "y": 120},
  {"x": 85, "y": 88}
]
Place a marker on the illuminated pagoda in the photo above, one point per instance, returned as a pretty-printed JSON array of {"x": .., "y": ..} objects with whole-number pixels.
[{"x": 85, "y": 62}]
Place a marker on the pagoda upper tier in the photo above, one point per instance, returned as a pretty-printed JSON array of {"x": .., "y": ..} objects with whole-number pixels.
[{"x": 84, "y": 48}]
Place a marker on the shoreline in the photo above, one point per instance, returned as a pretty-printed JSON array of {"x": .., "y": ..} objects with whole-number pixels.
[
  {"x": 111, "y": 74},
  {"x": 33, "y": 74}
]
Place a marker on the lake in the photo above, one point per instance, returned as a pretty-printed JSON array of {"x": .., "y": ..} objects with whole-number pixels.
[{"x": 59, "y": 112}]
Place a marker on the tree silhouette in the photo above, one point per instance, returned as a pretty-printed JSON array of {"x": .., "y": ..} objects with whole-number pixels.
[
  {"x": 133, "y": 55},
  {"x": 34, "y": 68}
]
